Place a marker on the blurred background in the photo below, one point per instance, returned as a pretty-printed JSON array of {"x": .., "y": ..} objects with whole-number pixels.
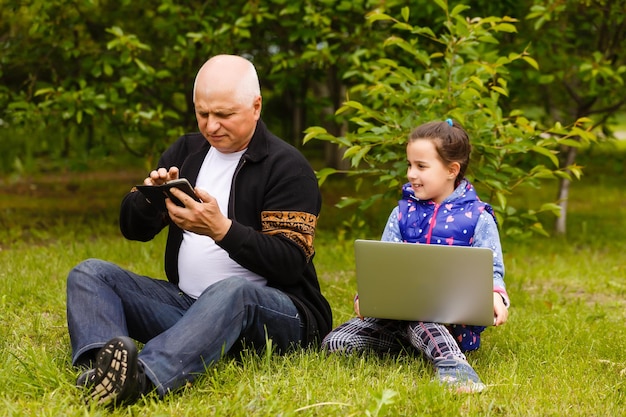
[{"x": 103, "y": 86}]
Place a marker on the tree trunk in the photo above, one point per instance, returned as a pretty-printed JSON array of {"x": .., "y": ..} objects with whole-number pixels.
[
  {"x": 335, "y": 90},
  {"x": 560, "y": 226}
]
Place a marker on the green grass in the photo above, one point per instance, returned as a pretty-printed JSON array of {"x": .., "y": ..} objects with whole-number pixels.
[{"x": 561, "y": 353}]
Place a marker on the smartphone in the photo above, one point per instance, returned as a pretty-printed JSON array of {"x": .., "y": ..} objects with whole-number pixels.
[
  {"x": 183, "y": 185},
  {"x": 156, "y": 194}
]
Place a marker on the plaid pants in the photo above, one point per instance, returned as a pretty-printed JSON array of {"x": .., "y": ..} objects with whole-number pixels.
[{"x": 433, "y": 339}]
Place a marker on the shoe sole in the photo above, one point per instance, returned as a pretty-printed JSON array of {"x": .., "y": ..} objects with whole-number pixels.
[
  {"x": 462, "y": 386},
  {"x": 86, "y": 379},
  {"x": 115, "y": 362}
]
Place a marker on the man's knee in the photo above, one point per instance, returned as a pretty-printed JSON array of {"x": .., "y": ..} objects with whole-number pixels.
[
  {"x": 87, "y": 269},
  {"x": 232, "y": 288}
]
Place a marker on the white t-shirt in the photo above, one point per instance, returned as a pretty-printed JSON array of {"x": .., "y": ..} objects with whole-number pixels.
[{"x": 201, "y": 262}]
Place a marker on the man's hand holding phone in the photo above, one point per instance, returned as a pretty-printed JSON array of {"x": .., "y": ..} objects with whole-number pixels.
[{"x": 203, "y": 218}]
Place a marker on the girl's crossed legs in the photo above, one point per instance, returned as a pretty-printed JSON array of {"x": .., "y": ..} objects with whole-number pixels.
[{"x": 382, "y": 335}]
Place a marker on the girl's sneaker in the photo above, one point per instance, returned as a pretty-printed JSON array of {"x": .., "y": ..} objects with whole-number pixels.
[{"x": 458, "y": 375}]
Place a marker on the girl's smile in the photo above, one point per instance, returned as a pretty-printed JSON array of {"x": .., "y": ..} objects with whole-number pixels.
[{"x": 430, "y": 178}]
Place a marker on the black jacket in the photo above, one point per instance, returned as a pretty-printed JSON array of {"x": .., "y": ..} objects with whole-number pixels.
[{"x": 274, "y": 204}]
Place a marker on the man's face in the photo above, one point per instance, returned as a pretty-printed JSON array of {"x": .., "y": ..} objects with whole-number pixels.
[{"x": 227, "y": 123}]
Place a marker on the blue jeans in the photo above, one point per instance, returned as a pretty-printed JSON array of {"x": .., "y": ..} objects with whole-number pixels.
[{"x": 182, "y": 335}]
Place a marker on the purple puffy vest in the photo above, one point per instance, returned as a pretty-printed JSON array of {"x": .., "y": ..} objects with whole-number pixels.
[{"x": 449, "y": 223}]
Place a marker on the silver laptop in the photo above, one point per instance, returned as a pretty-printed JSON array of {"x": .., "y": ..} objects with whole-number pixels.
[{"x": 434, "y": 283}]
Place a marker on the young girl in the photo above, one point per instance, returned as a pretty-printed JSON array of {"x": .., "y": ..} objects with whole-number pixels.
[{"x": 438, "y": 206}]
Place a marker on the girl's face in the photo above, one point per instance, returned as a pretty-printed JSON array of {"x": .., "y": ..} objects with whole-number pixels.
[{"x": 430, "y": 178}]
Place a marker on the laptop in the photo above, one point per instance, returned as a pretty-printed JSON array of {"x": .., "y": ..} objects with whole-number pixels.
[{"x": 416, "y": 282}]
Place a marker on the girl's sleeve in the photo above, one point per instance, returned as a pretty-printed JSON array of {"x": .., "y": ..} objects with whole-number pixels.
[
  {"x": 392, "y": 229},
  {"x": 486, "y": 236}
]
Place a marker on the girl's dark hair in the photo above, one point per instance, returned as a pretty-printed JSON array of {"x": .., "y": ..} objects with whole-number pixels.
[{"x": 451, "y": 142}]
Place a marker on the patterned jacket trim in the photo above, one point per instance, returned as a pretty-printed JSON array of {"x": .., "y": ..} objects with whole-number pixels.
[{"x": 297, "y": 226}]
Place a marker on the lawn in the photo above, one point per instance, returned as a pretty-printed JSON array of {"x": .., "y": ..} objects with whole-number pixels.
[{"x": 561, "y": 353}]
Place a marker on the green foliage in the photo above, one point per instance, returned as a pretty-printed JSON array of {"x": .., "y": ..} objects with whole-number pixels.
[
  {"x": 81, "y": 81},
  {"x": 78, "y": 73},
  {"x": 579, "y": 44},
  {"x": 458, "y": 73},
  {"x": 125, "y": 69}
]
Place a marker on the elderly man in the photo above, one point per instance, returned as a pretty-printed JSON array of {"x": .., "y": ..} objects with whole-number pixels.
[{"x": 239, "y": 263}]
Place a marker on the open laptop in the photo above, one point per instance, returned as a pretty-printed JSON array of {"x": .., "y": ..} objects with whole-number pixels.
[{"x": 434, "y": 283}]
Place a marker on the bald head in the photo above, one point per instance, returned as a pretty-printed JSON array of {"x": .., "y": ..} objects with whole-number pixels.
[
  {"x": 230, "y": 74},
  {"x": 227, "y": 102}
]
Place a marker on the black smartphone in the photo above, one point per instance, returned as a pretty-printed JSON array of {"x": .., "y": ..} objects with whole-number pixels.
[{"x": 156, "y": 194}]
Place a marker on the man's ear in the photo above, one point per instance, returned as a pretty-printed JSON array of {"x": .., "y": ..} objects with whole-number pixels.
[
  {"x": 454, "y": 168},
  {"x": 257, "y": 105}
]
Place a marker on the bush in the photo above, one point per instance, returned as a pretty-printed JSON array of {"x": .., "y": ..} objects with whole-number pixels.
[{"x": 420, "y": 76}]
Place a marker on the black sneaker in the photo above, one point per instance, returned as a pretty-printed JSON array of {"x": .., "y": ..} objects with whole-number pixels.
[{"x": 119, "y": 377}]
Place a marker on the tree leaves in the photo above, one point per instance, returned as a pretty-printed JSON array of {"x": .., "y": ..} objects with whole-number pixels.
[{"x": 465, "y": 78}]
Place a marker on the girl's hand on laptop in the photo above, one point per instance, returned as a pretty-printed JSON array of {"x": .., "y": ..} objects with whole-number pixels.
[
  {"x": 500, "y": 312},
  {"x": 356, "y": 307}
]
